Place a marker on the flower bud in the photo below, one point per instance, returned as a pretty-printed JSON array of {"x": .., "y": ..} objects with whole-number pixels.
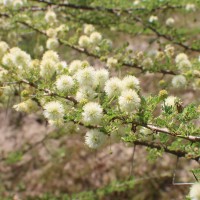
[
  {"x": 153, "y": 19},
  {"x": 170, "y": 22},
  {"x": 163, "y": 94}
]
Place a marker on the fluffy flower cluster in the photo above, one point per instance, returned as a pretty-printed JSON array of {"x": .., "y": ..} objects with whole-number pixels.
[
  {"x": 54, "y": 111},
  {"x": 169, "y": 50},
  {"x": 50, "y": 17},
  {"x": 88, "y": 29},
  {"x": 179, "y": 81},
  {"x": 85, "y": 93},
  {"x": 170, "y": 101},
  {"x": 17, "y": 59},
  {"x": 92, "y": 113},
  {"x": 75, "y": 65},
  {"x": 94, "y": 138},
  {"x": 170, "y": 21},
  {"x": 113, "y": 87},
  {"x": 88, "y": 79},
  {"x": 95, "y": 37},
  {"x": 125, "y": 91},
  {"x": 101, "y": 76},
  {"x": 136, "y": 2},
  {"x": 159, "y": 56},
  {"x": 153, "y": 19},
  {"x": 111, "y": 62},
  {"x": 148, "y": 62},
  {"x": 91, "y": 37},
  {"x": 51, "y": 32},
  {"x": 65, "y": 83},
  {"x": 190, "y": 7},
  {"x": 182, "y": 61},
  {"x": 48, "y": 64},
  {"x": 84, "y": 41},
  {"x": 129, "y": 101},
  {"x": 130, "y": 82}
]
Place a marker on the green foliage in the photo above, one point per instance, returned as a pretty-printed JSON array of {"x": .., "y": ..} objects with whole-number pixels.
[
  {"x": 196, "y": 173},
  {"x": 14, "y": 157}
]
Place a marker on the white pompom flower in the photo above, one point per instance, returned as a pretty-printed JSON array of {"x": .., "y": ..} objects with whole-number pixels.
[
  {"x": 38, "y": 50},
  {"x": 190, "y": 7},
  {"x": 52, "y": 55},
  {"x": 170, "y": 21},
  {"x": 179, "y": 81},
  {"x": 111, "y": 62},
  {"x": 21, "y": 57},
  {"x": 113, "y": 87},
  {"x": 92, "y": 113},
  {"x": 65, "y": 83},
  {"x": 182, "y": 61},
  {"x": 85, "y": 93},
  {"x": 136, "y": 2},
  {"x": 54, "y": 110},
  {"x": 130, "y": 82},
  {"x": 84, "y": 41},
  {"x": 8, "y": 60},
  {"x": 51, "y": 32},
  {"x": 153, "y": 19},
  {"x": 169, "y": 50},
  {"x": 95, "y": 138},
  {"x": 129, "y": 101},
  {"x": 102, "y": 76},
  {"x": 47, "y": 68},
  {"x": 48, "y": 64},
  {"x": 74, "y": 66},
  {"x": 88, "y": 29},
  {"x": 148, "y": 62},
  {"x": 181, "y": 57},
  {"x": 95, "y": 37},
  {"x": 50, "y": 17},
  {"x": 170, "y": 101},
  {"x": 86, "y": 77},
  {"x": 185, "y": 64},
  {"x": 159, "y": 56},
  {"x": 17, "y": 58},
  {"x": 195, "y": 191}
]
